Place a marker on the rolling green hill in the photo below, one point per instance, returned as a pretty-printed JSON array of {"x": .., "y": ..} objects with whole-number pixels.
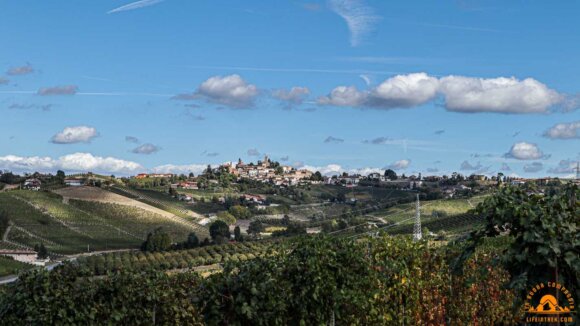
[{"x": 68, "y": 226}]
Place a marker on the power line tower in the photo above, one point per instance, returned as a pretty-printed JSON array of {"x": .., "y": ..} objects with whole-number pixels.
[{"x": 417, "y": 234}]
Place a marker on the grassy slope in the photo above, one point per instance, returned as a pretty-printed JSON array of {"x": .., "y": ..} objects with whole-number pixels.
[
  {"x": 9, "y": 266},
  {"x": 70, "y": 228}
]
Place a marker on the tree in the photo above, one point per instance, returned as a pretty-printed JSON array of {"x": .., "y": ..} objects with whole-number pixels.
[
  {"x": 4, "y": 222},
  {"x": 238, "y": 234},
  {"x": 157, "y": 240},
  {"x": 226, "y": 217},
  {"x": 544, "y": 229},
  {"x": 317, "y": 176},
  {"x": 240, "y": 212},
  {"x": 256, "y": 227},
  {"x": 41, "y": 253},
  {"x": 192, "y": 241},
  {"x": 60, "y": 175},
  {"x": 390, "y": 174},
  {"x": 219, "y": 228}
]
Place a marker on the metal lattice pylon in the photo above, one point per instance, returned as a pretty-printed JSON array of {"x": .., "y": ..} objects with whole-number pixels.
[{"x": 417, "y": 233}]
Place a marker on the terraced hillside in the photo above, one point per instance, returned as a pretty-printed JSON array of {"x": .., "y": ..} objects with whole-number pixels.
[{"x": 68, "y": 226}]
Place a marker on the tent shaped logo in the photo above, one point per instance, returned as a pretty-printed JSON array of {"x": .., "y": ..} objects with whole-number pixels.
[
  {"x": 548, "y": 305},
  {"x": 549, "y": 302}
]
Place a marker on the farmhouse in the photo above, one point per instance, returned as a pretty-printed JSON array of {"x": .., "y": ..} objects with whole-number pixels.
[
  {"x": 25, "y": 256},
  {"x": 72, "y": 182},
  {"x": 32, "y": 184}
]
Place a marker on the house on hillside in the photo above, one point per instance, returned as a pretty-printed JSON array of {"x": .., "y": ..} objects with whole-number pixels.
[
  {"x": 25, "y": 256},
  {"x": 32, "y": 184},
  {"x": 72, "y": 182}
]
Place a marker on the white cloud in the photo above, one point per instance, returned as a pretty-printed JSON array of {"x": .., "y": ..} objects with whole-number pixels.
[
  {"x": 344, "y": 96},
  {"x": 229, "y": 90},
  {"x": 253, "y": 152},
  {"x": 466, "y": 166},
  {"x": 460, "y": 94},
  {"x": 78, "y": 134},
  {"x": 399, "y": 165},
  {"x": 135, "y": 5},
  {"x": 501, "y": 95},
  {"x": 401, "y": 91},
  {"x": 404, "y": 91},
  {"x": 58, "y": 90},
  {"x": 77, "y": 162},
  {"x": 505, "y": 167},
  {"x": 295, "y": 96},
  {"x": 334, "y": 169},
  {"x": 132, "y": 139},
  {"x": 525, "y": 151},
  {"x": 359, "y": 18},
  {"x": 146, "y": 149},
  {"x": 4, "y": 81},
  {"x": 333, "y": 140},
  {"x": 180, "y": 169},
  {"x": 533, "y": 167},
  {"x": 564, "y": 131},
  {"x": 19, "y": 71},
  {"x": 564, "y": 167}
]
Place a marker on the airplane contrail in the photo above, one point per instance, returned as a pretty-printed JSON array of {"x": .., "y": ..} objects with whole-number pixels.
[{"x": 135, "y": 5}]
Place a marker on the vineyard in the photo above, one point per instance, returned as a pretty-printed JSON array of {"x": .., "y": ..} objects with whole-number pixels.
[
  {"x": 383, "y": 281},
  {"x": 176, "y": 259},
  {"x": 75, "y": 226}
]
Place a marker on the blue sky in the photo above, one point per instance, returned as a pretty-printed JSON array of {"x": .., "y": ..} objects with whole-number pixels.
[{"x": 422, "y": 86}]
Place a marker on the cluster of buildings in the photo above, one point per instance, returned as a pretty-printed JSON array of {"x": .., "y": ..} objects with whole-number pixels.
[
  {"x": 154, "y": 175},
  {"x": 266, "y": 171}
]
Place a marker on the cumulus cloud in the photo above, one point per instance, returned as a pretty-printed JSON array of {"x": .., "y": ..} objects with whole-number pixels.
[
  {"x": 344, "y": 96},
  {"x": 459, "y": 94},
  {"x": 505, "y": 167},
  {"x": 58, "y": 90},
  {"x": 333, "y": 140},
  {"x": 131, "y": 139},
  {"x": 78, "y": 134},
  {"x": 135, "y": 5},
  {"x": 525, "y": 151},
  {"x": 359, "y": 18},
  {"x": 564, "y": 167},
  {"x": 294, "y": 96},
  {"x": 404, "y": 91},
  {"x": 466, "y": 166},
  {"x": 19, "y": 71},
  {"x": 334, "y": 169},
  {"x": 399, "y": 165},
  {"x": 533, "y": 167},
  {"x": 564, "y": 131},
  {"x": 501, "y": 95},
  {"x": 180, "y": 169},
  {"x": 146, "y": 149},
  {"x": 401, "y": 91},
  {"x": 77, "y": 162},
  {"x": 253, "y": 152},
  {"x": 229, "y": 90}
]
